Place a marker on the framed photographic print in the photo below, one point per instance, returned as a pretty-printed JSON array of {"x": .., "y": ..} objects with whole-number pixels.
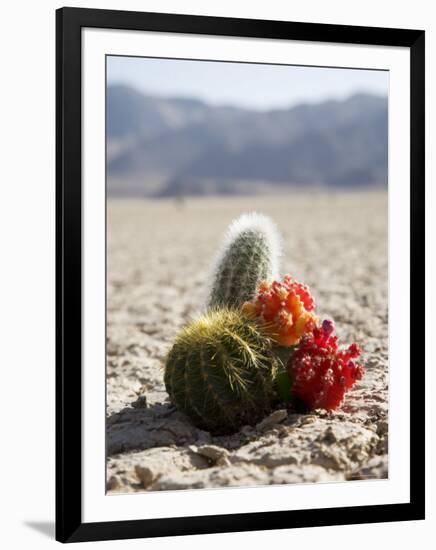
[{"x": 240, "y": 274}]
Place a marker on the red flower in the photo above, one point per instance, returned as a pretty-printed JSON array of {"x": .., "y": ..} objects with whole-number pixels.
[{"x": 322, "y": 373}]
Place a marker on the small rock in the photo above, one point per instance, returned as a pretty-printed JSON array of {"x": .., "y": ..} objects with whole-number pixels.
[
  {"x": 217, "y": 455},
  {"x": 329, "y": 436},
  {"x": 113, "y": 483},
  {"x": 146, "y": 475},
  {"x": 223, "y": 461},
  {"x": 274, "y": 418}
]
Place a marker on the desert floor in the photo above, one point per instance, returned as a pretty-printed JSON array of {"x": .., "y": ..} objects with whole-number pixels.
[{"x": 159, "y": 254}]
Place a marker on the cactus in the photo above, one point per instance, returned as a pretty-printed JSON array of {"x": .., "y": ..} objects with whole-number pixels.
[
  {"x": 220, "y": 371},
  {"x": 249, "y": 255}
]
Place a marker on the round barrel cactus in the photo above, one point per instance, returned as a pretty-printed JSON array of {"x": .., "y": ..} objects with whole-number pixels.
[{"x": 220, "y": 371}]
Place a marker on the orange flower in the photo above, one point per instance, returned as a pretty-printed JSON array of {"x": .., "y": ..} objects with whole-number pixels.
[{"x": 285, "y": 309}]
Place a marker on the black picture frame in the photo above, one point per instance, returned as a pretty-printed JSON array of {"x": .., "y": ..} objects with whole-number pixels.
[{"x": 69, "y": 525}]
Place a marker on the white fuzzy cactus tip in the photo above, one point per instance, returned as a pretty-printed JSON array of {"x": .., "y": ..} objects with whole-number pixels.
[{"x": 249, "y": 254}]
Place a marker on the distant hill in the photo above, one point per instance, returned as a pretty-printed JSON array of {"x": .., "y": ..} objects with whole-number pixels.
[{"x": 179, "y": 146}]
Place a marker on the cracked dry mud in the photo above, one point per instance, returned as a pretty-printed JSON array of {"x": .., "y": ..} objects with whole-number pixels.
[{"x": 159, "y": 254}]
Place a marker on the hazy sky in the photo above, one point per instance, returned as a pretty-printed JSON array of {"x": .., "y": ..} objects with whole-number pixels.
[{"x": 243, "y": 84}]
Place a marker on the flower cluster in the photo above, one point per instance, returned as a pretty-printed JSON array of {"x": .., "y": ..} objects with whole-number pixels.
[
  {"x": 320, "y": 371},
  {"x": 285, "y": 309}
]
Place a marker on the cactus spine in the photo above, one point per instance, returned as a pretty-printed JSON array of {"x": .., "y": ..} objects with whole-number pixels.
[
  {"x": 220, "y": 371},
  {"x": 249, "y": 255}
]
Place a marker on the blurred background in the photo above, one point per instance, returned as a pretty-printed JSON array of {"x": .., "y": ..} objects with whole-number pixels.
[{"x": 179, "y": 128}]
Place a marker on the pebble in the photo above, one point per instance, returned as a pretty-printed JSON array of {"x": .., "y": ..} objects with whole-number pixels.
[
  {"x": 213, "y": 453},
  {"x": 274, "y": 418},
  {"x": 146, "y": 475}
]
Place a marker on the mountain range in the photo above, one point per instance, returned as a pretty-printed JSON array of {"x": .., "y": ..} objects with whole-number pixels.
[{"x": 158, "y": 146}]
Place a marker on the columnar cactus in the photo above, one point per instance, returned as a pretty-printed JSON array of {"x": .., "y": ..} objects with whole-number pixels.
[
  {"x": 220, "y": 371},
  {"x": 249, "y": 255}
]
